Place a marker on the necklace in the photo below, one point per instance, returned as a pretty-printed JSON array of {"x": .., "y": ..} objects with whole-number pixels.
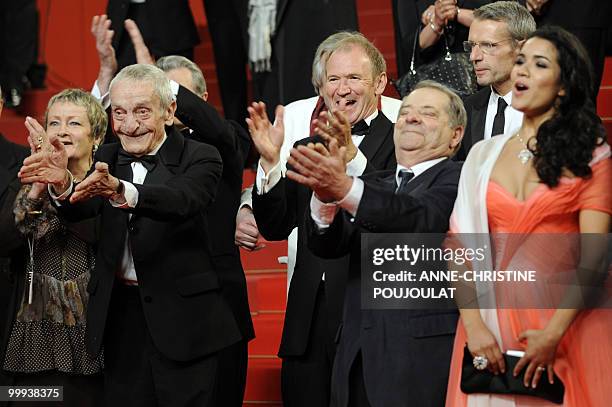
[{"x": 525, "y": 154}]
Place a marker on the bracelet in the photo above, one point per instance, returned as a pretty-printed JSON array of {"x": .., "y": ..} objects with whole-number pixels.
[{"x": 435, "y": 29}]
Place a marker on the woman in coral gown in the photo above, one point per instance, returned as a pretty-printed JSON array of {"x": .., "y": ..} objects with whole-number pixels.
[{"x": 552, "y": 177}]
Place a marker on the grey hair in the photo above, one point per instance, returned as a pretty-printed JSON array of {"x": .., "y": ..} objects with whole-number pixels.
[
  {"x": 519, "y": 20},
  {"x": 151, "y": 74},
  {"x": 170, "y": 62},
  {"x": 455, "y": 109},
  {"x": 344, "y": 40}
]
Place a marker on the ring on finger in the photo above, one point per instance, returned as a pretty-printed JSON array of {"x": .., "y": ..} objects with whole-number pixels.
[
  {"x": 541, "y": 368},
  {"x": 480, "y": 362}
]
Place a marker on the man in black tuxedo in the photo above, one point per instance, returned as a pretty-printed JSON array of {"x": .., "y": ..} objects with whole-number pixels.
[
  {"x": 167, "y": 26},
  {"x": 400, "y": 357},
  {"x": 155, "y": 301},
  {"x": 350, "y": 75},
  {"x": 494, "y": 40},
  {"x": 199, "y": 121},
  {"x": 12, "y": 246}
]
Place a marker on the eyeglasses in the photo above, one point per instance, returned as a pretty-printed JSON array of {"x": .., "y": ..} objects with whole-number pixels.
[{"x": 486, "y": 47}]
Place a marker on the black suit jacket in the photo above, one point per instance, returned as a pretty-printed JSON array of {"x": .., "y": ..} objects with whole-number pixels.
[
  {"x": 280, "y": 210},
  {"x": 406, "y": 353},
  {"x": 294, "y": 45},
  {"x": 476, "y": 109},
  {"x": 186, "y": 315},
  {"x": 233, "y": 143},
  {"x": 171, "y": 23},
  {"x": 12, "y": 250}
]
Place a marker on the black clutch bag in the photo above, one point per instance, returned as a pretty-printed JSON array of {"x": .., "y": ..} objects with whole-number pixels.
[{"x": 483, "y": 381}]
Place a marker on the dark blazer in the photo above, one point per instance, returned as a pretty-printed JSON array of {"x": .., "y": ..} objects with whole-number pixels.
[
  {"x": 476, "y": 109},
  {"x": 186, "y": 315},
  {"x": 406, "y": 353},
  {"x": 294, "y": 45},
  {"x": 233, "y": 143},
  {"x": 12, "y": 247},
  {"x": 280, "y": 210},
  {"x": 170, "y": 28}
]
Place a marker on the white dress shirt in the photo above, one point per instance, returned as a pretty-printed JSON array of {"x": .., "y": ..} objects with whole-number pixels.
[
  {"x": 323, "y": 213},
  {"x": 128, "y": 200},
  {"x": 512, "y": 117}
]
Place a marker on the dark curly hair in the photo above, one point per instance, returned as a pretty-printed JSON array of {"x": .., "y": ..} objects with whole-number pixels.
[{"x": 567, "y": 140}]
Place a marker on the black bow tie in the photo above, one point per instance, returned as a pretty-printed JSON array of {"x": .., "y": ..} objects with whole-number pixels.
[
  {"x": 125, "y": 158},
  {"x": 360, "y": 128}
]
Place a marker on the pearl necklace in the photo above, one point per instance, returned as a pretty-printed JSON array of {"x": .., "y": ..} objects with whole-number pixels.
[{"x": 525, "y": 155}]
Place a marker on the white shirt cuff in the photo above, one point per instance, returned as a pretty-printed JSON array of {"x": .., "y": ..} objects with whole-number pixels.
[
  {"x": 322, "y": 213},
  {"x": 265, "y": 182},
  {"x": 357, "y": 165},
  {"x": 130, "y": 196},
  {"x": 350, "y": 202},
  {"x": 103, "y": 99},
  {"x": 246, "y": 198}
]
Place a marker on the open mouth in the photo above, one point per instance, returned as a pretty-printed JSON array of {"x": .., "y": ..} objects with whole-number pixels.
[
  {"x": 344, "y": 104},
  {"x": 66, "y": 142},
  {"x": 520, "y": 87}
]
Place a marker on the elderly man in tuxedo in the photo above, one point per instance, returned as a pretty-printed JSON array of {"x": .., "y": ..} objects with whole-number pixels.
[
  {"x": 155, "y": 302},
  {"x": 400, "y": 357},
  {"x": 349, "y": 74},
  {"x": 196, "y": 119},
  {"x": 494, "y": 41}
]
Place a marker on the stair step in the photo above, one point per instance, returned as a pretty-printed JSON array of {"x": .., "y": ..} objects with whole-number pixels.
[
  {"x": 268, "y": 330},
  {"x": 263, "y": 382},
  {"x": 604, "y": 101},
  {"x": 266, "y": 259},
  {"x": 267, "y": 291}
]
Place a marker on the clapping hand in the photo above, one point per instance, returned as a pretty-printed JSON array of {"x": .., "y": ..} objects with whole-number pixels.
[
  {"x": 445, "y": 11},
  {"x": 334, "y": 125},
  {"x": 143, "y": 56},
  {"x": 99, "y": 183},
  {"x": 267, "y": 138},
  {"x": 320, "y": 169},
  {"x": 49, "y": 162}
]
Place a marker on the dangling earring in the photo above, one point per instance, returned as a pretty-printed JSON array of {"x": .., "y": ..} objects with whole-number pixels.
[{"x": 95, "y": 148}]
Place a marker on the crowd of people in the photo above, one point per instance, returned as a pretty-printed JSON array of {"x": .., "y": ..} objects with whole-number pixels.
[{"x": 120, "y": 225}]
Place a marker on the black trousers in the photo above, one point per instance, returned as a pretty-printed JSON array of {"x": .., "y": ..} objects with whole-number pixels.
[
  {"x": 137, "y": 374},
  {"x": 357, "y": 391},
  {"x": 227, "y": 23},
  {"x": 231, "y": 375},
  {"x": 125, "y": 50},
  {"x": 306, "y": 379}
]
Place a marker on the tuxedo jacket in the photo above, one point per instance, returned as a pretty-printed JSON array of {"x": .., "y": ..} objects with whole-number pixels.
[
  {"x": 280, "y": 210},
  {"x": 186, "y": 315},
  {"x": 476, "y": 109},
  {"x": 406, "y": 353},
  {"x": 233, "y": 143},
  {"x": 12, "y": 245},
  {"x": 172, "y": 26}
]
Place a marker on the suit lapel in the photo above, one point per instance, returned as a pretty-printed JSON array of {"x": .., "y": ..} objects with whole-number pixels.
[
  {"x": 379, "y": 129},
  {"x": 425, "y": 179},
  {"x": 479, "y": 117},
  {"x": 168, "y": 157}
]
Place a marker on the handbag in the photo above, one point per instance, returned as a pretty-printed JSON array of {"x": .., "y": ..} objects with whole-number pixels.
[
  {"x": 483, "y": 381},
  {"x": 453, "y": 70}
]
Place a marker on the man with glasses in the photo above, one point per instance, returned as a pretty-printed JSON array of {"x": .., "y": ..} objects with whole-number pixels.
[{"x": 493, "y": 43}]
